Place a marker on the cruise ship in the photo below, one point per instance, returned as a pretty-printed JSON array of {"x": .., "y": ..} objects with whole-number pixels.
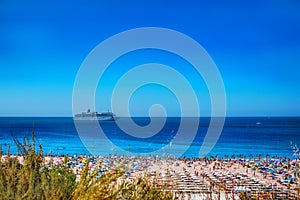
[{"x": 104, "y": 116}]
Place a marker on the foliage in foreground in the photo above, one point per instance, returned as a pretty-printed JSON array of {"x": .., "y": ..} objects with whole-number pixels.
[{"x": 31, "y": 180}]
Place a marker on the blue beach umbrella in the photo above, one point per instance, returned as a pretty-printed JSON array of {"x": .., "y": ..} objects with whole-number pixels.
[
  {"x": 284, "y": 181},
  {"x": 292, "y": 179},
  {"x": 263, "y": 168}
]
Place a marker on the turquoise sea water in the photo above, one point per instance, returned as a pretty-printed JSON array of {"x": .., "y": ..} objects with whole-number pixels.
[{"x": 251, "y": 136}]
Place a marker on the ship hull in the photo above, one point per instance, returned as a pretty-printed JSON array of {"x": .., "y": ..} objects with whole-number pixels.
[{"x": 96, "y": 118}]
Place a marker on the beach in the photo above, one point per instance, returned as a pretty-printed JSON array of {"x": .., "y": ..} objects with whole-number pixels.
[
  {"x": 229, "y": 179},
  {"x": 198, "y": 178}
]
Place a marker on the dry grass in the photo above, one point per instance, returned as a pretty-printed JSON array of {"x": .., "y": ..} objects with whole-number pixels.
[{"x": 32, "y": 180}]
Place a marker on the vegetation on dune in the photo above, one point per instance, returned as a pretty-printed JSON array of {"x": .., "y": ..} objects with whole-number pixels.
[{"x": 30, "y": 179}]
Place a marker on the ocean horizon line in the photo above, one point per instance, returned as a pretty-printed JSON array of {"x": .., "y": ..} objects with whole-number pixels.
[{"x": 145, "y": 116}]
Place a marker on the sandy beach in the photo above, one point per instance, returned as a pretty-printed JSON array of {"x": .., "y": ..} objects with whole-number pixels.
[
  {"x": 228, "y": 179},
  {"x": 213, "y": 178}
]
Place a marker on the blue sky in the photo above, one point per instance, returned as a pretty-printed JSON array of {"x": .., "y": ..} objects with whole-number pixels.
[{"x": 255, "y": 44}]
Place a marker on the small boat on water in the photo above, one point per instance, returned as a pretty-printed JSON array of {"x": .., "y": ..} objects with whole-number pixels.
[{"x": 104, "y": 116}]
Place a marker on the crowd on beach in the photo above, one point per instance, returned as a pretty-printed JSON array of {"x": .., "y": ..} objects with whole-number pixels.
[
  {"x": 197, "y": 178},
  {"x": 214, "y": 178},
  {"x": 274, "y": 178}
]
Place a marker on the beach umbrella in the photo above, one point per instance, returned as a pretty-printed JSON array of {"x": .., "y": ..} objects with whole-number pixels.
[
  {"x": 284, "y": 181},
  {"x": 292, "y": 179}
]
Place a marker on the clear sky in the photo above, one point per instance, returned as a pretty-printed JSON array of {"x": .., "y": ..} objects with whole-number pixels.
[{"x": 255, "y": 44}]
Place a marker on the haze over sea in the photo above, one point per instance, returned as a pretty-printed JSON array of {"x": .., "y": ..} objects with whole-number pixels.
[{"x": 250, "y": 136}]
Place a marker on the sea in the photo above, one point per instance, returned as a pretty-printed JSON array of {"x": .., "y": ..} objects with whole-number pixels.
[{"x": 240, "y": 137}]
